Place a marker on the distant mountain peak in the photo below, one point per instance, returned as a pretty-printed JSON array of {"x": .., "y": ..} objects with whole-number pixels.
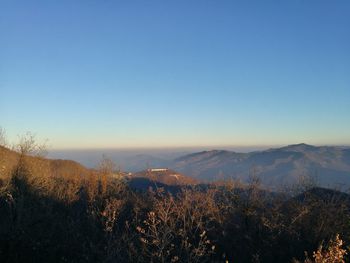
[{"x": 299, "y": 147}]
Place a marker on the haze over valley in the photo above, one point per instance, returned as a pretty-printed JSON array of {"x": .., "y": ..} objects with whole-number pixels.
[
  {"x": 184, "y": 131},
  {"x": 328, "y": 166}
]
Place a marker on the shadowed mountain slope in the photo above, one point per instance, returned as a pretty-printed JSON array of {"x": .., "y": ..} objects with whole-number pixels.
[{"x": 167, "y": 177}]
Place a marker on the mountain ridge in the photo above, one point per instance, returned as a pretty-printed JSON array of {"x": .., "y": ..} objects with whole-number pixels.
[{"x": 330, "y": 165}]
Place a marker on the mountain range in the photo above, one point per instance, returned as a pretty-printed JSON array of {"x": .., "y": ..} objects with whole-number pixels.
[{"x": 328, "y": 166}]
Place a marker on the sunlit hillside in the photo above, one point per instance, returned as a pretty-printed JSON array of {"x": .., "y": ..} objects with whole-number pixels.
[
  {"x": 187, "y": 131},
  {"x": 57, "y": 210}
]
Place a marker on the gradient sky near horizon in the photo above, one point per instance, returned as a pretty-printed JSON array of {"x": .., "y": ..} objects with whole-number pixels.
[{"x": 88, "y": 74}]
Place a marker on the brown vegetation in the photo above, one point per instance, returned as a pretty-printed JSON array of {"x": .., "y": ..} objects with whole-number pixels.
[
  {"x": 334, "y": 253},
  {"x": 58, "y": 211}
]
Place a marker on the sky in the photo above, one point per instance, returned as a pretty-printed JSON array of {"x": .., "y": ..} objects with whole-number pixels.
[{"x": 109, "y": 74}]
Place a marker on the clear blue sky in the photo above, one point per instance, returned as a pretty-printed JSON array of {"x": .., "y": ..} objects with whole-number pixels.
[{"x": 90, "y": 74}]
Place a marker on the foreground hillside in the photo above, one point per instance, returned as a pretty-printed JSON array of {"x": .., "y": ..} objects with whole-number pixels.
[
  {"x": 56, "y": 168},
  {"x": 41, "y": 166},
  {"x": 51, "y": 216}
]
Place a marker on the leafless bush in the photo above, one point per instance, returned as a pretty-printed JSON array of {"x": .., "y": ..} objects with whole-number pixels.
[
  {"x": 334, "y": 253},
  {"x": 177, "y": 228},
  {"x": 29, "y": 145}
]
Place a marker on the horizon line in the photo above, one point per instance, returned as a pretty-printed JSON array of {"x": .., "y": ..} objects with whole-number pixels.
[{"x": 212, "y": 147}]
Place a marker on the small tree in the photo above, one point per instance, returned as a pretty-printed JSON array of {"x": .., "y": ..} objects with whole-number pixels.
[
  {"x": 334, "y": 253},
  {"x": 3, "y": 137},
  {"x": 28, "y": 145}
]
